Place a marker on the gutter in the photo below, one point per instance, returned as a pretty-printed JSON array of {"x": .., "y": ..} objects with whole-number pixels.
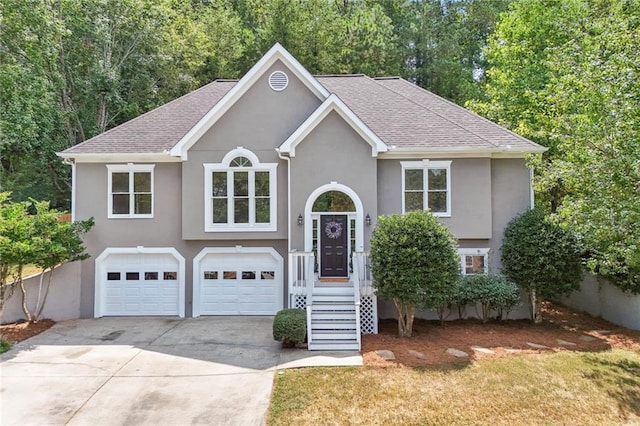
[{"x": 288, "y": 160}]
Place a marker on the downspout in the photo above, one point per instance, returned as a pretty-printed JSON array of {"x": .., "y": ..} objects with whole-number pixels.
[
  {"x": 531, "y": 194},
  {"x": 288, "y": 160},
  {"x": 72, "y": 162}
]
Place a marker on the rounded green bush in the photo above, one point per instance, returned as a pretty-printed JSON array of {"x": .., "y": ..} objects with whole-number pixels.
[
  {"x": 290, "y": 327},
  {"x": 493, "y": 292}
]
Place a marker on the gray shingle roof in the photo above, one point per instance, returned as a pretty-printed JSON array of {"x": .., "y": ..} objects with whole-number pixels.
[
  {"x": 159, "y": 129},
  {"x": 491, "y": 133},
  {"x": 400, "y": 113}
]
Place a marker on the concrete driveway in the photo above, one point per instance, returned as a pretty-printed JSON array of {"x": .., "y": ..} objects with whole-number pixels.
[{"x": 156, "y": 371}]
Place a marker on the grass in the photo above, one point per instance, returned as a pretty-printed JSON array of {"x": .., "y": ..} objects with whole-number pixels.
[
  {"x": 553, "y": 388},
  {"x": 4, "y": 346}
]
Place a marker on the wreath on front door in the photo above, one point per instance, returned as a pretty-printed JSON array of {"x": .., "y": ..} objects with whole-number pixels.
[{"x": 333, "y": 230}]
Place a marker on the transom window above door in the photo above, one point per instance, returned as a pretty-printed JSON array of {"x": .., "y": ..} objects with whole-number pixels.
[
  {"x": 240, "y": 193},
  {"x": 426, "y": 185},
  {"x": 130, "y": 188},
  {"x": 333, "y": 201}
]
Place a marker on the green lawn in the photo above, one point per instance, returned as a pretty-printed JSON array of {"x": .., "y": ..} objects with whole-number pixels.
[{"x": 570, "y": 388}]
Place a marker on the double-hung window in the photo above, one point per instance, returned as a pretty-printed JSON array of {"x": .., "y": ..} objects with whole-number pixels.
[
  {"x": 474, "y": 261},
  {"x": 240, "y": 193},
  {"x": 130, "y": 188},
  {"x": 426, "y": 185}
]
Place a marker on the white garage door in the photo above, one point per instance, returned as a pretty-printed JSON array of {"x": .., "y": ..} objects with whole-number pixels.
[
  {"x": 239, "y": 283},
  {"x": 138, "y": 284}
]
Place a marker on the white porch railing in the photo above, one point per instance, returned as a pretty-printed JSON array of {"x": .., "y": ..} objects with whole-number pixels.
[
  {"x": 364, "y": 283},
  {"x": 302, "y": 280},
  {"x": 301, "y": 275},
  {"x": 362, "y": 267}
]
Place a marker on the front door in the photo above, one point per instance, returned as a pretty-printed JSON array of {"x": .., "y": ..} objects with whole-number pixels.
[{"x": 334, "y": 256}]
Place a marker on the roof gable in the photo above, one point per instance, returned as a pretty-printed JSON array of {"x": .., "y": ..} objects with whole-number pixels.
[
  {"x": 277, "y": 52},
  {"x": 333, "y": 103}
]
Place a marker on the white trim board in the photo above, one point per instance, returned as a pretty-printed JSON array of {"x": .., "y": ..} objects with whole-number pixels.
[
  {"x": 277, "y": 52},
  {"x": 308, "y": 207},
  {"x": 333, "y": 103}
]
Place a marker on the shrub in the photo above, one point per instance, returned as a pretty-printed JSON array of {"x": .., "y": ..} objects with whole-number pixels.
[
  {"x": 414, "y": 263},
  {"x": 494, "y": 293},
  {"x": 4, "y": 346},
  {"x": 462, "y": 296},
  {"x": 541, "y": 258},
  {"x": 290, "y": 327}
]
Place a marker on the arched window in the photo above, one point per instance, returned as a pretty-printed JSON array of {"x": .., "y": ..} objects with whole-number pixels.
[
  {"x": 333, "y": 201},
  {"x": 240, "y": 193}
]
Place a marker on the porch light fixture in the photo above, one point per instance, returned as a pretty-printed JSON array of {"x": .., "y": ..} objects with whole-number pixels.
[
  {"x": 368, "y": 220},
  {"x": 300, "y": 219}
]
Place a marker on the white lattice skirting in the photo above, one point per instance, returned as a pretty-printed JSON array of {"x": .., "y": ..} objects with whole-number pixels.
[{"x": 368, "y": 312}]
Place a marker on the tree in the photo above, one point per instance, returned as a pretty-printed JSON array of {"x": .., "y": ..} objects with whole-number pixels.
[
  {"x": 594, "y": 122},
  {"x": 439, "y": 43},
  {"x": 541, "y": 258},
  {"x": 414, "y": 262},
  {"x": 15, "y": 245},
  {"x": 41, "y": 239},
  {"x": 53, "y": 243},
  {"x": 566, "y": 74}
]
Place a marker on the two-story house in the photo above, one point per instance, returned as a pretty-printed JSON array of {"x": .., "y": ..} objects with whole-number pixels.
[{"x": 245, "y": 197}]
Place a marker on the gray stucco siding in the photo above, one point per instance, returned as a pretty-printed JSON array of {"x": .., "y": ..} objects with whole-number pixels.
[
  {"x": 332, "y": 152},
  {"x": 510, "y": 194},
  {"x": 163, "y": 230},
  {"x": 471, "y": 202},
  {"x": 260, "y": 121}
]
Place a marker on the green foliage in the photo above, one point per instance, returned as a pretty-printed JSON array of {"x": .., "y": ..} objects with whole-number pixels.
[
  {"x": 541, "y": 257},
  {"x": 290, "y": 327},
  {"x": 566, "y": 74},
  {"x": 4, "y": 346},
  {"x": 414, "y": 262},
  {"x": 41, "y": 239},
  {"x": 494, "y": 293},
  {"x": 71, "y": 69}
]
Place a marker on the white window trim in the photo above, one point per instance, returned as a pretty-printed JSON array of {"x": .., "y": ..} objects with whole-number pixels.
[
  {"x": 425, "y": 165},
  {"x": 473, "y": 252},
  {"x": 129, "y": 168},
  {"x": 257, "y": 166}
]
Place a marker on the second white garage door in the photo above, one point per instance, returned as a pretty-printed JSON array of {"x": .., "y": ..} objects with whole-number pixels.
[{"x": 237, "y": 281}]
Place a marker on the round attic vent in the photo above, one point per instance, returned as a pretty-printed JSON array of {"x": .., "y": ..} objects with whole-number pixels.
[{"x": 278, "y": 81}]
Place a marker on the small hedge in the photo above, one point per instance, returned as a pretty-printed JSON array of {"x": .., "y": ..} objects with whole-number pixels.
[
  {"x": 290, "y": 327},
  {"x": 494, "y": 293}
]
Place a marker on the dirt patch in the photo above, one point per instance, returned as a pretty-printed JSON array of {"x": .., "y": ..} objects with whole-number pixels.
[
  {"x": 18, "y": 331},
  {"x": 562, "y": 330}
]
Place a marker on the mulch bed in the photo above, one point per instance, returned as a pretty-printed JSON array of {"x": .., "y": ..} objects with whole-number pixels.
[
  {"x": 21, "y": 330},
  {"x": 430, "y": 340}
]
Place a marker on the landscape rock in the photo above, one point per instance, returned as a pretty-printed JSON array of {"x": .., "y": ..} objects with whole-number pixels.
[
  {"x": 483, "y": 350},
  {"x": 386, "y": 354},
  {"x": 417, "y": 354},
  {"x": 537, "y": 345},
  {"x": 457, "y": 353}
]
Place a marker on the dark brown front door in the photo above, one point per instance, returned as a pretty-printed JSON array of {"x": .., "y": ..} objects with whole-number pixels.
[{"x": 333, "y": 246}]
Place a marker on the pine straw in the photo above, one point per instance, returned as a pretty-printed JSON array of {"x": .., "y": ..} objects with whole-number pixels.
[{"x": 507, "y": 338}]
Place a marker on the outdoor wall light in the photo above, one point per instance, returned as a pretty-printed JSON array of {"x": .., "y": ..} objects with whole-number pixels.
[
  {"x": 300, "y": 219},
  {"x": 367, "y": 220}
]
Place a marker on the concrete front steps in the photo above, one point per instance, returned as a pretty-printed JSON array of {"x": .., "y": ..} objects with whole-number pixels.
[{"x": 334, "y": 325}]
